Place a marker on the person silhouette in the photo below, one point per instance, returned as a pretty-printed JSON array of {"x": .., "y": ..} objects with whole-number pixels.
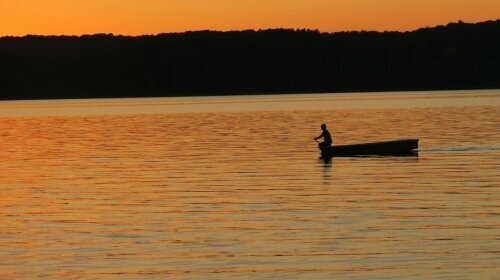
[{"x": 327, "y": 138}]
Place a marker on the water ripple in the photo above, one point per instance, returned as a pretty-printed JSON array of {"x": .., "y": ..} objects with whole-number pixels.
[{"x": 243, "y": 195}]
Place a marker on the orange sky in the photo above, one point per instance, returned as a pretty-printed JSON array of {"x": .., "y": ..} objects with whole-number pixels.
[{"x": 134, "y": 17}]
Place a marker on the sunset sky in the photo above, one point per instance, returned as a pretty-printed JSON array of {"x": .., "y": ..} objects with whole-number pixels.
[{"x": 134, "y": 17}]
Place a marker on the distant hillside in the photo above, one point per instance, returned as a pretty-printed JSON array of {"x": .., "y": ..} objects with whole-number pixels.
[{"x": 455, "y": 56}]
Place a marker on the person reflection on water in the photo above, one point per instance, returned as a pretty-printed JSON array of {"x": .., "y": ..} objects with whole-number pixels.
[{"x": 327, "y": 138}]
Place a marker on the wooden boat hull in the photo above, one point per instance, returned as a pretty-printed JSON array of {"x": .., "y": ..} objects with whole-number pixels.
[{"x": 394, "y": 148}]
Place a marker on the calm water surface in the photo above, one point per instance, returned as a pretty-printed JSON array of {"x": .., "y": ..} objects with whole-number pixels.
[{"x": 233, "y": 187}]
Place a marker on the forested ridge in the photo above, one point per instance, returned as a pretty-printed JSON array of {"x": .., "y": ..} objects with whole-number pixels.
[{"x": 455, "y": 56}]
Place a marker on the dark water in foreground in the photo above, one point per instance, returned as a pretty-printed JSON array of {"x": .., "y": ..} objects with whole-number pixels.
[{"x": 233, "y": 188}]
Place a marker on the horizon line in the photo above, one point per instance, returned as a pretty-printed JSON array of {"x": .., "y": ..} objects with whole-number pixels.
[{"x": 249, "y": 29}]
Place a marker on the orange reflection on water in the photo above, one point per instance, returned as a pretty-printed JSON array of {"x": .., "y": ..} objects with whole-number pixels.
[{"x": 243, "y": 194}]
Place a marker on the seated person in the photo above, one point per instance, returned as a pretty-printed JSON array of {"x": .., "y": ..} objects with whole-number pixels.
[{"x": 326, "y": 136}]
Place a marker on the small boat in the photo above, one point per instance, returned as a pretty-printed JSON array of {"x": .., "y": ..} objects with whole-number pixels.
[{"x": 391, "y": 148}]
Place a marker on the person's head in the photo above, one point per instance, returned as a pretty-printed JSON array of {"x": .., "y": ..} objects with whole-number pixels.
[{"x": 323, "y": 126}]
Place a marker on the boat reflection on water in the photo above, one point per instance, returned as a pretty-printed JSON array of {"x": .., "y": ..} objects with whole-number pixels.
[
  {"x": 327, "y": 163},
  {"x": 328, "y": 159}
]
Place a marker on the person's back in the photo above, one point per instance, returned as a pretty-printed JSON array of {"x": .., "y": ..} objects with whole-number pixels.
[{"x": 328, "y": 137}]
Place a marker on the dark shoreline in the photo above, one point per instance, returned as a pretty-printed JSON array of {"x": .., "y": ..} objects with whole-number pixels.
[
  {"x": 263, "y": 94},
  {"x": 458, "y": 56}
]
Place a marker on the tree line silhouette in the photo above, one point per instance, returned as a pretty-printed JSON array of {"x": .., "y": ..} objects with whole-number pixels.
[{"x": 455, "y": 56}]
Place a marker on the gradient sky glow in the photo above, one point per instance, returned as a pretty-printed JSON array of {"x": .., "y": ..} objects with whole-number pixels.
[{"x": 134, "y": 17}]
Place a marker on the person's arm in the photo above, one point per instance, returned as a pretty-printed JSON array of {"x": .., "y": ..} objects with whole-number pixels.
[{"x": 319, "y": 136}]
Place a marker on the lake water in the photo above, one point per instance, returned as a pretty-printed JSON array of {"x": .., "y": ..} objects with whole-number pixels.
[{"x": 233, "y": 187}]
